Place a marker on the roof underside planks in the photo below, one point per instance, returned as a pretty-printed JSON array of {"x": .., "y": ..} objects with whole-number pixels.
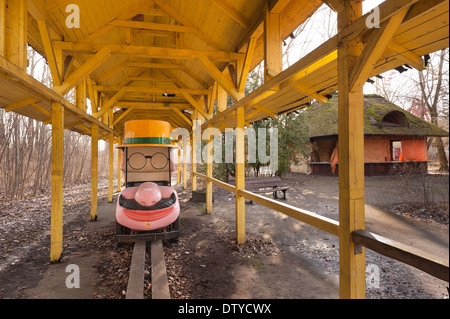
[
  {"x": 151, "y": 50},
  {"x": 155, "y": 45}
]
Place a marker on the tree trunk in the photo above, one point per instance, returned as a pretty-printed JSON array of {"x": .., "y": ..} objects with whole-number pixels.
[{"x": 443, "y": 161}]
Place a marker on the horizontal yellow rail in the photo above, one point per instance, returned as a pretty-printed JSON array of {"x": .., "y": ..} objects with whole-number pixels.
[
  {"x": 326, "y": 224},
  {"x": 219, "y": 183},
  {"x": 384, "y": 246}
]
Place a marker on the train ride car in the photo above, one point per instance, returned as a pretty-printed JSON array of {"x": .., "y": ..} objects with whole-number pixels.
[{"x": 148, "y": 208}]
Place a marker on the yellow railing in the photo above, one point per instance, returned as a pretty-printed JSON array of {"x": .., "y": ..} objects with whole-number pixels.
[{"x": 408, "y": 255}]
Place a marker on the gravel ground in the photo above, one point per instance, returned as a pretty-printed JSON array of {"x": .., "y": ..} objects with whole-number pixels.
[{"x": 194, "y": 261}]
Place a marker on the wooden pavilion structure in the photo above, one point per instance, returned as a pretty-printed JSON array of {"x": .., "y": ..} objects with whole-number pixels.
[{"x": 175, "y": 60}]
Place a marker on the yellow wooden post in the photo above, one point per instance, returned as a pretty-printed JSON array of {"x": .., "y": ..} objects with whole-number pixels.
[
  {"x": 94, "y": 171},
  {"x": 351, "y": 161},
  {"x": 273, "y": 53},
  {"x": 179, "y": 166},
  {"x": 209, "y": 173},
  {"x": 240, "y": 175},
  {"x": 2, "y": 27},
  {"x": 111, "y": 168},
  {"x": 119, "y": 172},
  {"x": 194, "y": 150},
  {"x": 16, "y": 32},
  {"x": 221, "y": 99},
  {"x": 56, "y": 230},
  {"x": 80, "y": 95},
  {"x": 185, "y": 159}
]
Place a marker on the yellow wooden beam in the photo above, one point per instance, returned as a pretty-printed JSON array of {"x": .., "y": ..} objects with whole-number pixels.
[
  {"x": 94, "y": 171},
  {"x": 149, "y": 65},
  {"x": 49, "y": 52},
  {"x": 41, "y": 109},
  {"x": 110, "y": 103},
  {"x": 387, "y": 10},
  {"x": 273, "y": 53},
  {"x": 117, "y": 120},
  {"x": 83, "y": 71},
  {"x": 407, "y": 56},
  {"x": 316, "y": 65},
  {"x": 222, "y": 99},
  {"x": 113, "y": 71},
  {"x": 2, "y": 27},
  {"x": 152, "y": 26},
  {"x": 149, "y": 51},
  {"x": 81, "y": 95},
  {"x": 185, "y": 166},
  {"x": 196, "y": 105},
  {"x": 247, "y": 63},
  {"x": 324, "y": 223},
  {"x": 373, "y": 50},
  {"x": 15, "y": 47},
  {"x": 151, "y": 79},
  {"x": 20, "y": 104},
  {"x": 236, "y": 16},
  {"x": 127, "y": 104},
  {"x": 110, "y": 168},
  {"x": 212, "y": 98},
  {"x": 195, "y": 138},
  {"x": 186, "y": 22},
  {"x": 119, "y": 161},
  {"x": 319, "y": 97},
  {"x": 180, "y": 115},
  {"x": 226, "y": 83},
  {"x": 265, "y": 110},
  {"x": 93, "y": 95},
  {"x": 150, "y": 90},
  {"x": 240, "y": 175},
  {"x": 56, "y": 225},
  {"x": 335, "y": 5},
  {"x": 179, "y": 171},
  {"x": 351, "y": 162},
  {"x": 209, "y": 173}
]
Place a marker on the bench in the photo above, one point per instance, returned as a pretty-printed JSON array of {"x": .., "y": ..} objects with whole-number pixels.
[{"x": 263, "y": 185}]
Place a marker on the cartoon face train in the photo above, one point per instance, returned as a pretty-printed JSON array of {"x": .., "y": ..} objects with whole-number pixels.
[{"x": 148, "y": 202}]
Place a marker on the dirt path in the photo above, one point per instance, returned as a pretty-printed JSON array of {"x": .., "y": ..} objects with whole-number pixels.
[{"x": 283, "y": 258}]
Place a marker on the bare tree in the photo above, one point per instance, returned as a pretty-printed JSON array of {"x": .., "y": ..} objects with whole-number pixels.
[{"x": 432, "y": 84}]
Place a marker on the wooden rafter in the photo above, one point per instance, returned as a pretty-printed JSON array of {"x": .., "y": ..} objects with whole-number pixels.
[
  {"x": 247, "y": 63},
  {"x": 236, "y": 16},
  {"x": 149, "y": 52},
  {"x": 87, "y": 68},
  {"x": 21, "y": 104},
  {"x": 152, "y": 26},
  {"x": 227, "y": 84},
  {"x": 184, "y": 21},
  {"x": 150, "y": 90},
  {"x": 110, "y": 103},
  {"x": 196, "y": 105},
  {"x": 336, "y": 5},
  {"x": 406, "y": 56},
  {"x": 376, "y": 45},
  {"x": 302, "y": 88}
]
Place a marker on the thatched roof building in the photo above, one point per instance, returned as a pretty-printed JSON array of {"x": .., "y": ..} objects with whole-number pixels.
[
  {"x": 392, "y": 135},
  {"x": 381, "y": 117}
]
